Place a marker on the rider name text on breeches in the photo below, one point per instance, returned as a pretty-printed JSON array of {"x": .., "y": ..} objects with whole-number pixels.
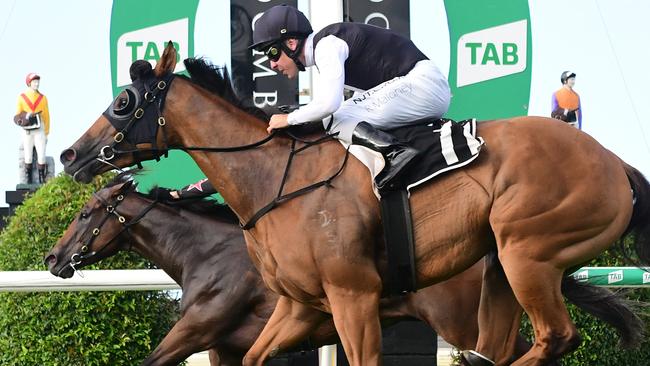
[{"x": 422, "y": 93}]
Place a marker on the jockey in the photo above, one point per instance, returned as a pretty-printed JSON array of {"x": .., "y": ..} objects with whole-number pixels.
[{"x": 395, "y": 84}]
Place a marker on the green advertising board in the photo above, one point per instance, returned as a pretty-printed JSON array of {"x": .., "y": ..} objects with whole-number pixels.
[
  {"x": 614, "y": 276},
  {"x": 491, "y": 58},
  {"x": 140, "y": 30}
]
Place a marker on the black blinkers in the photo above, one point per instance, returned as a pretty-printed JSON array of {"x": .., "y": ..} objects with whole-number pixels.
[{"x": 137, "y": 111}]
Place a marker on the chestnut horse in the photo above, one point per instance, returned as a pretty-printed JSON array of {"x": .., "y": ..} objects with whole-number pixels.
[
  {"x": 545, "y": 196},
  {"x": 225, "y": 305}
]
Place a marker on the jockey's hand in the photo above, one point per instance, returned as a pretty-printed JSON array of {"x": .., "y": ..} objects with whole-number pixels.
[{"x": 277, "y": 121}]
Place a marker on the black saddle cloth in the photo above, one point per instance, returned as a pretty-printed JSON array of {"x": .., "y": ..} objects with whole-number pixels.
[{"x": 444, "y": 145}]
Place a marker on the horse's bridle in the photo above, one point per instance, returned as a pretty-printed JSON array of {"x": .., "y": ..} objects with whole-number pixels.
[
  {"x": 111, "y": 209},
  {"x": 149, "y": 97},
  {"x": 147, "y": 93}
]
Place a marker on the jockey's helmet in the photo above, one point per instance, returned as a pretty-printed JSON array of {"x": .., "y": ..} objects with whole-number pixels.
[
  {"x": 31, "y": 76},
  {"x": 277, "y": 24},
  {"x": 566, "y": 76}
]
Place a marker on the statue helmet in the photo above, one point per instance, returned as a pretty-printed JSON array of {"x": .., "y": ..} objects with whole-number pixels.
[
  {"x": 31, "y": 76},
  {"x": 566, "y": 76}
]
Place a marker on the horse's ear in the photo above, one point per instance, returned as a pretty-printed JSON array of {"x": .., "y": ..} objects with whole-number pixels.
[
  {"x": 121, "y": 188},
  {"x": 167, "y": 62}
]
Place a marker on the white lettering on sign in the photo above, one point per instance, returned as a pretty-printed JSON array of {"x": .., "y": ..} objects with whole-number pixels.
[
  {"x": 492, "y": 53},
  {"x": 148, "y": 44}
]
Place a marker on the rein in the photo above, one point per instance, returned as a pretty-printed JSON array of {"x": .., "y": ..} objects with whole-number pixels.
[
  {"x": 280, "y": 198},
  {"x": 158, "y": 94},
  {"x": 111, "y": 209}
]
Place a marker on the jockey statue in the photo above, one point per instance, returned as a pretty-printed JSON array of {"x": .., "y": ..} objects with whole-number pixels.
[{"x": 33, "y": 115}]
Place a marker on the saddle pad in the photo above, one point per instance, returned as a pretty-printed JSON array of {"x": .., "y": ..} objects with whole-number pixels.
[{"x": 445, "y": 145}]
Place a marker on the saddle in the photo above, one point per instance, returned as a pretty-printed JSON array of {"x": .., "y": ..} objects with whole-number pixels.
[{"x": 445, "y": 145}]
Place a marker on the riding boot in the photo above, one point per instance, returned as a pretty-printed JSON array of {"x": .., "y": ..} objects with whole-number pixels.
[
  {"x": 42, "y": 173},
  {"x": 28, "y": 174},
  {"x": 397, "y": 155},
  {"x": 473, "y": 358}
]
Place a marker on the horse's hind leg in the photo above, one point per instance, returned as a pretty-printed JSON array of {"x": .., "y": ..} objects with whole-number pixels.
[
  {"x": 499, "y": 315},
  {"x": 356, "y": 317},
  {"x": 537, "y": 287}
]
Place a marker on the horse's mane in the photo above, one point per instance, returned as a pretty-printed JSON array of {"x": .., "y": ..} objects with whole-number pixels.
[
  {"x": 204, "y": 207},
  {"x": 216, "y": 80}
]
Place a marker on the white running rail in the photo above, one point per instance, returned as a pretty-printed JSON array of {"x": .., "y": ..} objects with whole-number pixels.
[{"x": 108, "y": 280}]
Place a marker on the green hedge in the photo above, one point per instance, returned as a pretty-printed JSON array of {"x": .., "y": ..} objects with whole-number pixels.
[
  {"x": 72, "y": 328},
  {"x": 600, "y": 342}
]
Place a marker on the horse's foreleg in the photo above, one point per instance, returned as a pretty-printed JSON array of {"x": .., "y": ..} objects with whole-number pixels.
[
  {"x": 499, "y": 315},
  {"x": 356, "y": 317},
  {"x": 537, "y": 286},
  {"x": 222, "y": 358},
  {"x": 183, "y": 340},
  {"x": 290, "y": 323}
]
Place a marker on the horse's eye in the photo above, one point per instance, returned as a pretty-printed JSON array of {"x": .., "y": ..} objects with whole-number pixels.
[{"x": 83, "y": 215}]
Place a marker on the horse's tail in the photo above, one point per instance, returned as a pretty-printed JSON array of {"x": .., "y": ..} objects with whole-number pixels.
[
  {"x": 639, "y": 225},
  {"x": 607, "y": 306}
]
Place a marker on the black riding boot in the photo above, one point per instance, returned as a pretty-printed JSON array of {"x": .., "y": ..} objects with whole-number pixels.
[
  {"x": 28, "y": 174},
  {"x": 397, "y": 155},
  {"x": 42, "y": 173}
]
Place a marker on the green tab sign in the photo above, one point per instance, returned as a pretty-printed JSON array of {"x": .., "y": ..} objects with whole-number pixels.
[
  {"x": 614, "y": 276},
  {"x": 491, "y": 55},
  {"x": 141, "y": 30}
]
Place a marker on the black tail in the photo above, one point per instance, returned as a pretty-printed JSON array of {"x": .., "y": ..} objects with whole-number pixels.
[
  {"x": 639, "y": 225},
  {"x": 607, "y": 306}
]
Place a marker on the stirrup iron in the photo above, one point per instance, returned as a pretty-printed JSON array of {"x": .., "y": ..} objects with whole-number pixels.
[{"x": 473, "y": 358}]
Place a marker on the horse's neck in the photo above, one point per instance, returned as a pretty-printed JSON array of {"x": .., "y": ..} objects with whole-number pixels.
[
  {"x": 183, "y": 242},
  {"x": 198, "y": 118}
]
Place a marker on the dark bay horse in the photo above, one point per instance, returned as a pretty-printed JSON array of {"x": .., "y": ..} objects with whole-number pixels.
[
  {"x": 543, "y": 195},
  {"x": 225, "y": 305}
]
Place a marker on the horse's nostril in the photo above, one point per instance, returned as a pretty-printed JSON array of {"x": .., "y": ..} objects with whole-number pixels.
[
  {"x": 68, "y": 156},
  {"x": 50, "y": 260}
]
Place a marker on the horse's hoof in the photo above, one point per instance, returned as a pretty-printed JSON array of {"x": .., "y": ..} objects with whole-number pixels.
[{"x": 473, "y": 358}]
